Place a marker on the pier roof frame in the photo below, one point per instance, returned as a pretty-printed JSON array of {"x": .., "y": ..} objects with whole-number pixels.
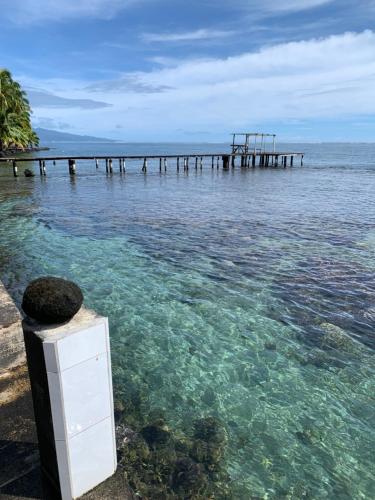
[{"x": 244, "y": 147}]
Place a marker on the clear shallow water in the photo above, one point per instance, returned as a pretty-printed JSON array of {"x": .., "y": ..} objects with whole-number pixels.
[{"x": 248, "y": 295}]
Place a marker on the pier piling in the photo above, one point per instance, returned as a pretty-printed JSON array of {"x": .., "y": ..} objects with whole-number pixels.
[
  {"x": 144, "y": 168},
  {"x": 72, "y": 167}
]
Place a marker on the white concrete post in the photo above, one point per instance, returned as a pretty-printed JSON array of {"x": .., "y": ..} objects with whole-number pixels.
[{"x": 71, "y": 381}]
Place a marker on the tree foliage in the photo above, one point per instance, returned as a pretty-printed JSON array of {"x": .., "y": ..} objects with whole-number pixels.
[{"x": 15, "y": 125}]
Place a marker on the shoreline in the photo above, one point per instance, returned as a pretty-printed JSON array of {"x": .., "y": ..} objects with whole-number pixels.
[{"x": 15, "y": 151}]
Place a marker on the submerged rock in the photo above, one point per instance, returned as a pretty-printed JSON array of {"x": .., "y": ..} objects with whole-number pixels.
[
  {"x": 210, "y": 429},
  {"x": 270, "y": 346},
  {"x": 52, "y": 300},
  {"x": 209, "y": 441},
  {"x": 156, "y": 434},
  {"x": 188, "y": 478},
  {"x": 335, "y": 337},
  {"x": 209, "y": 454},
  {"x": 309, "y": 436},
  {"x": 28, "y": 173}
]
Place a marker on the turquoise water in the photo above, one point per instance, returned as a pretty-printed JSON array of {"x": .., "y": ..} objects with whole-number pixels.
[{"x": 248, "y": 295}]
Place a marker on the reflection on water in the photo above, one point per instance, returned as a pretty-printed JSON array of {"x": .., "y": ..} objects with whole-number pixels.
[{"x": 245, "y": 296}]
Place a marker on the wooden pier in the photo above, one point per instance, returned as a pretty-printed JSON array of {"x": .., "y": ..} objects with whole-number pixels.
[
  {"x": 180, "y": 162},
  {"x": 243, "y": 155}
]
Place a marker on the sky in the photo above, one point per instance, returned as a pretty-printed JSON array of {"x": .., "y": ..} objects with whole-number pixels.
[{"x": 195, "y": 70}]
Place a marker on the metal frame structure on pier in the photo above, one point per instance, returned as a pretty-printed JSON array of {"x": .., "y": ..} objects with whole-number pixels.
[{"x": 249, "y": 144}]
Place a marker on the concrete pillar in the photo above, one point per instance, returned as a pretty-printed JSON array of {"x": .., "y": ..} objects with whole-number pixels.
[{"x": 71, "y": 382}]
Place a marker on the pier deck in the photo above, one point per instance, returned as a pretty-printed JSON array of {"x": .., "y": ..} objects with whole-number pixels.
[{"x": 182, "y": 161}]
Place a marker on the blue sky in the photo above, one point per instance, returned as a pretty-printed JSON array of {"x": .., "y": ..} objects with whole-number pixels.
[{"x": 162, "y": 70}]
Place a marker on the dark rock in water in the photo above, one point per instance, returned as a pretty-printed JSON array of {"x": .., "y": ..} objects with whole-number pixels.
[
  {"x": 156, "y": 434},
  {"x": 270, "y": 346},
  {"x": 52, "y": 300},
  {"x": 188, "y": 478},
  {"x": 309, "y": 436},
  {"x": 208, "y": 396},
  {"x": 28, "y": 173},
  {"x": 206, "y": 453},
  {"x": 210, "y": 429},
  {"x": 209, "y": 443}
]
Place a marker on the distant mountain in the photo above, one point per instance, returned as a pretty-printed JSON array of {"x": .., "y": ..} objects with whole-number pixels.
[{"x": 46, "y": 135}]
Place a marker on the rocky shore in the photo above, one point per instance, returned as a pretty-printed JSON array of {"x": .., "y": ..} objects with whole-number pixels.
[{"x": 15, "y": 151}]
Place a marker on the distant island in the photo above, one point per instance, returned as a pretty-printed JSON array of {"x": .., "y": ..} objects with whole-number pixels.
[{"x": 47, "y": 135}]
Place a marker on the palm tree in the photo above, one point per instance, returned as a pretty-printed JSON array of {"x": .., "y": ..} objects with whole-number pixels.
[{"x": 15, "y": 125}]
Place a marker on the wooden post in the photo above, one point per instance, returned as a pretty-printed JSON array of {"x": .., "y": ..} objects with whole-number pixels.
[
  {"x": 178, "y": 163},
  {"x": 196, "y": 162},
  {"x": 217, "y": 163},
  {"x": 72, "y": 167},
  {"x": 276, "y": 160},
  {"x": 15, "y": 170},
  {"x": 301, "y": 160},
  {"x": 253, "y": 161},
  {"x": 165, "y": 164},
  {"x": 160, "y": 162},
  {"x": 291, "y": 160},
  {"x": 225, "y": 159},
  {"x": 213, "y": 162},
  {"x": 44, "y": 168},
  {"x": 123, "y": 165},
  {"x": 233, "y": 161},
  {"x": 106, "y": 165},
  {"x": 187, "y": 163},
  {"x": 96, "y": 163},
  {"x": 110, "y": 166},
  {"x": 201, "y": 163},
  {"x": 144, "y": 168},
  {"x": 40, "y": 167}
]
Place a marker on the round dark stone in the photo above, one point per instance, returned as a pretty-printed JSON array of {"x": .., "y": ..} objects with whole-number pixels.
[
  {"x": 28, "y": 172},
  {"x": 52, "y": 300}
]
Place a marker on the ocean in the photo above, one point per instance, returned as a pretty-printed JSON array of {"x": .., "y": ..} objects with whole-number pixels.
[{"x": 245, "y": 295}]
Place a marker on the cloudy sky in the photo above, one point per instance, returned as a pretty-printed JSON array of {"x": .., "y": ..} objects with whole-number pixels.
[{"x": 177, "y": 70}]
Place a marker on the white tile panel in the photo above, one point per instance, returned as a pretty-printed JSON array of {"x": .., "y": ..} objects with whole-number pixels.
[
  {"x": 92, "y": 457},
  {"x": 81, "y": 345}
]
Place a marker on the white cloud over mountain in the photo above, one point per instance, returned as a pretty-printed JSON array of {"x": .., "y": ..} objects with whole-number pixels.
[{"x": 330, "y": 77}]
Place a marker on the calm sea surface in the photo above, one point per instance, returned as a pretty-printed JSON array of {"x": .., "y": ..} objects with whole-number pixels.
[{"x": 247, "y": 295}]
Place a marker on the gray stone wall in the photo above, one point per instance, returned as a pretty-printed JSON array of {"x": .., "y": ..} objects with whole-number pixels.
[{"x": 12, "y": 349}]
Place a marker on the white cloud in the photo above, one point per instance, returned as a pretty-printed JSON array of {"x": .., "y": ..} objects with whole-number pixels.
[
  {"x": 201, "y": 34},
  {"x": 31, "y": 11},
  {"x": 34, "y": 11},
  {"x": 294, "y": 5},
  {"x": 330, "y": 78}
]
